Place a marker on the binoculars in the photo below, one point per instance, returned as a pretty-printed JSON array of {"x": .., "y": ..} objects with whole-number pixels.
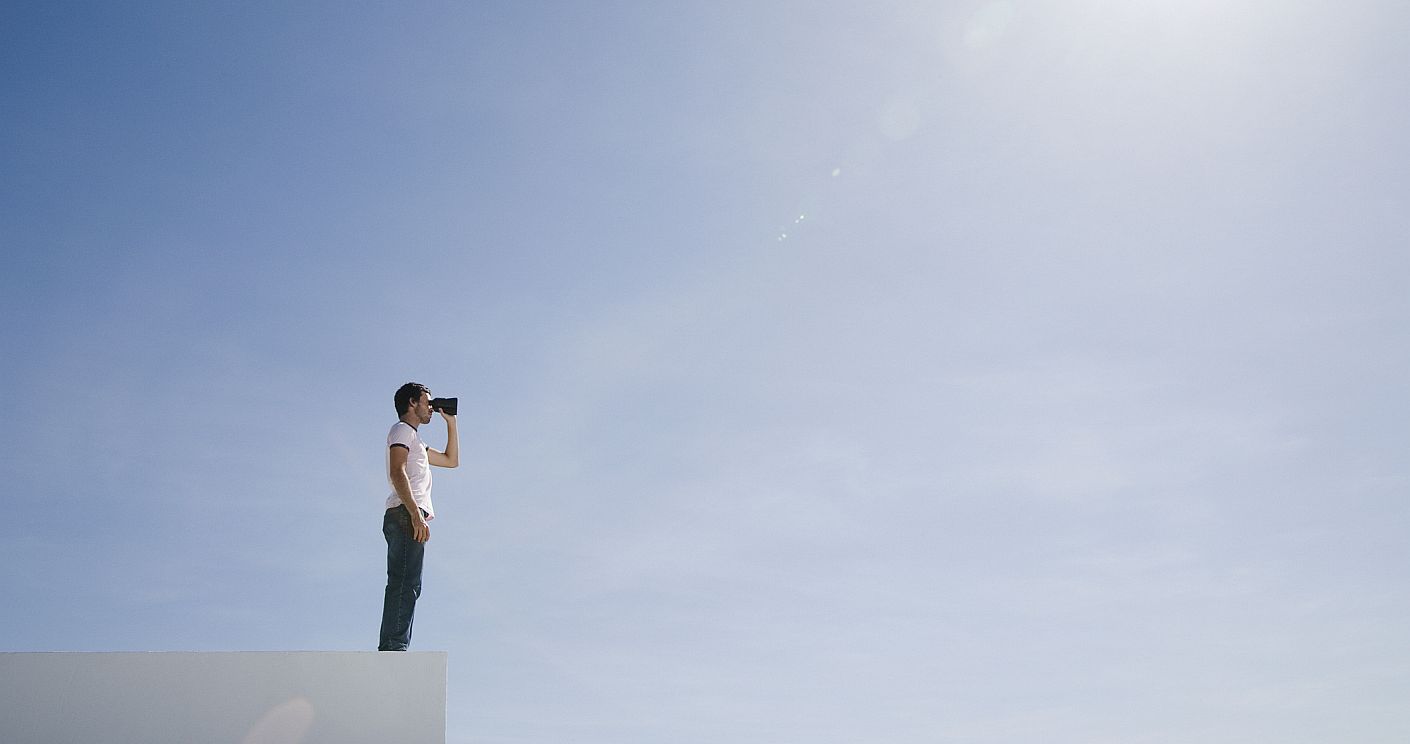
[{"x": 444, "y": 404}]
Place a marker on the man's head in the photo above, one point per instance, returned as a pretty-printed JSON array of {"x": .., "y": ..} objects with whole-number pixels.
[{"x": 415, "y": 398}]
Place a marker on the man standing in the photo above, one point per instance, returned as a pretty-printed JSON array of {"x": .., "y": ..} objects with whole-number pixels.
[{"x": 409, "y": 508}]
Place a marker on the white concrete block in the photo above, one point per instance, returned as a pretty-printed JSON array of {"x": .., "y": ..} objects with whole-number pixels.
[{"x": 223, "y": 698}]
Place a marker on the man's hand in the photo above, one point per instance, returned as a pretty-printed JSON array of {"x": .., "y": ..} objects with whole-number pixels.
[
  {"x": 451, "y": 457},
  {"x": 420, "y": 531}
]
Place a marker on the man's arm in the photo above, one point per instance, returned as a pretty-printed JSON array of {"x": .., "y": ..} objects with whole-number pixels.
[
  {"x": 396, "y": 470},
  {"x": 451, "y": 457}
]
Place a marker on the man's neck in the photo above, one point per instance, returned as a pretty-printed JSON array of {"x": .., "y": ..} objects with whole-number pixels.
[{"x": 410, "y": 421}]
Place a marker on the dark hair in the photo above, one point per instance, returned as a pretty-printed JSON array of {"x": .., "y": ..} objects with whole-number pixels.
[{"x": 407, "y": 393}]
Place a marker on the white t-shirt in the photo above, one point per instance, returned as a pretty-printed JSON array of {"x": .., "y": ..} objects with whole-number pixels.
[{"x": 418, "y": 467}]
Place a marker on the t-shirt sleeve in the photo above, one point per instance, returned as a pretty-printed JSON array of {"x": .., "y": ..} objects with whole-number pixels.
[{"x": 401, "y": 435}]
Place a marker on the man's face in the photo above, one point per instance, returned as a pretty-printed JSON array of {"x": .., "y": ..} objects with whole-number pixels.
[{"x": 422, "y": 407}]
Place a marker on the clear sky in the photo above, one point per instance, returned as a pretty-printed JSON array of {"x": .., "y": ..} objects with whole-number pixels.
[{"x": 985, "y": 372}]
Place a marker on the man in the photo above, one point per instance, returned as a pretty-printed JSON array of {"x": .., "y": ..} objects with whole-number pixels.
[{"x": 409, "y": 508}]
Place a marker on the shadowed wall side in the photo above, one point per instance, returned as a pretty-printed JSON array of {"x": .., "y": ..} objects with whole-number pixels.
[{"x": 250, "y": 698}]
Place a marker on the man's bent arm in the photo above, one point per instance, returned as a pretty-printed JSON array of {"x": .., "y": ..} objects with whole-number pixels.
[
  {"x": 451, "y": 457},
  {"x": 396, "y": 472}
]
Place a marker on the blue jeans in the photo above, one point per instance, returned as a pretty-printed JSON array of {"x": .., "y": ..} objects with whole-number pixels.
[{"x": 404, "y": 556}]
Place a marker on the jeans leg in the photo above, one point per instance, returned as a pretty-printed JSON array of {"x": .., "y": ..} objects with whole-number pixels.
[{"x": 404, "y": 559}]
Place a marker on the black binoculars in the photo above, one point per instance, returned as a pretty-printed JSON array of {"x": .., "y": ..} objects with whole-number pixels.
[{"x": 444, "y": 404}]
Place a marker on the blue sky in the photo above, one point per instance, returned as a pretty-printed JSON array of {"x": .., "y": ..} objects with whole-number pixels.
[{"x": 977, "y": 372}]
